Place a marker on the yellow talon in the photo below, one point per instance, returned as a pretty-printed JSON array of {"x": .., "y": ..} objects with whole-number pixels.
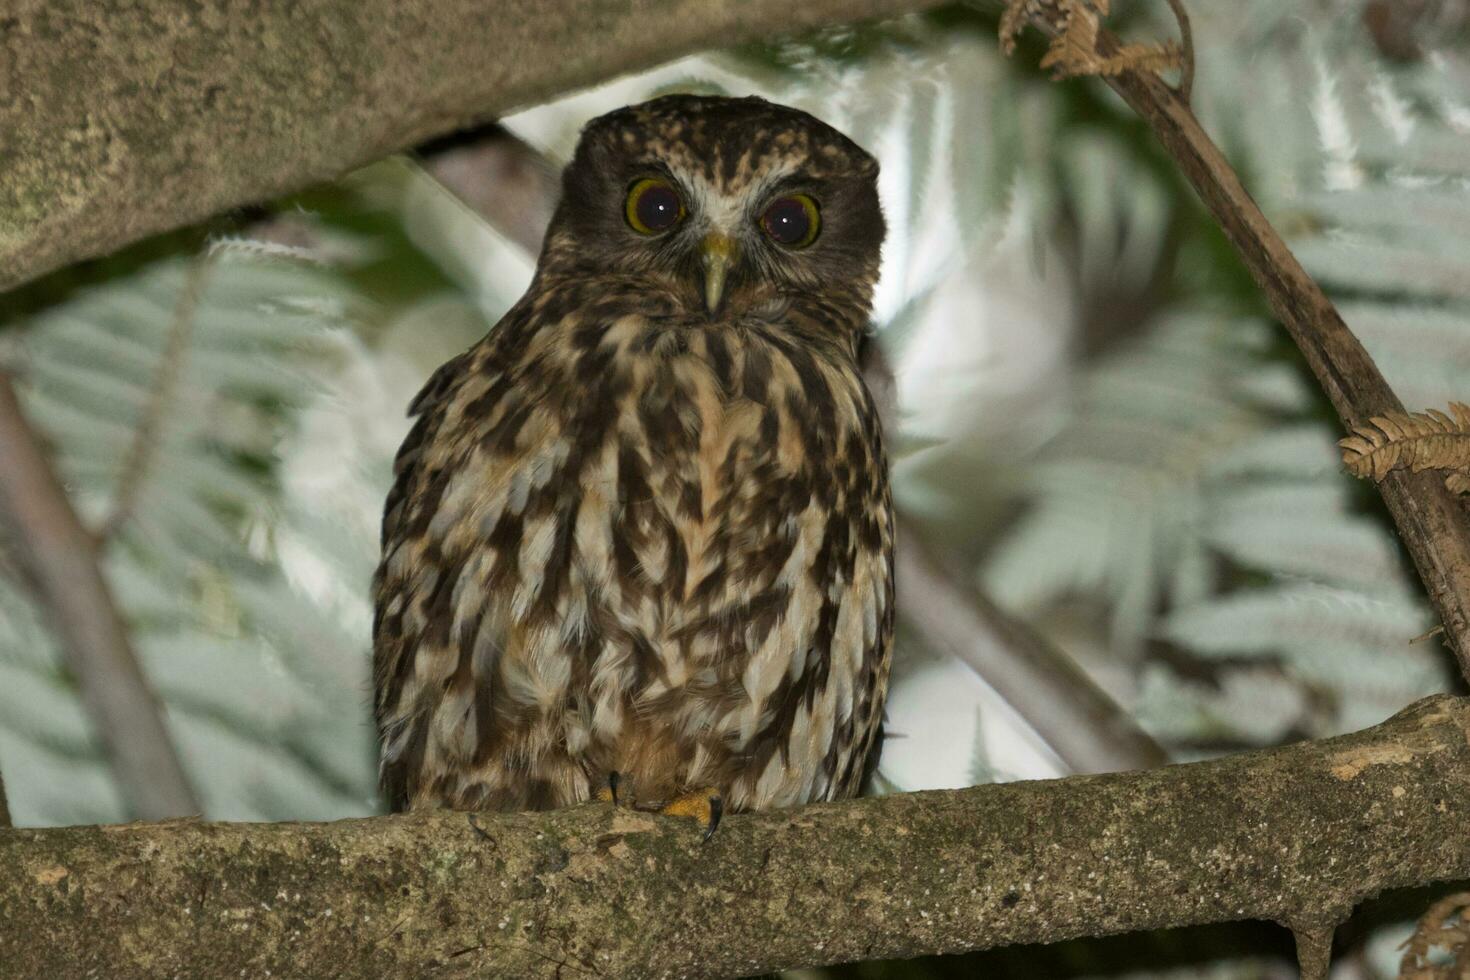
[
  {"x": 609, "y": 793},
  {"x": 704, "y": 805}
]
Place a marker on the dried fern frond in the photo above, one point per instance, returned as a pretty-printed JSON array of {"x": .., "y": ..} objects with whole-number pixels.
[
  {"x": 1074, "y": 49},
  {"x": 1445, "y": 926},
  {"x": 1418, "y": 441}
]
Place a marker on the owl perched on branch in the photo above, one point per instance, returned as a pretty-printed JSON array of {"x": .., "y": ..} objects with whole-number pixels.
[{"x": 640, "y": 542}]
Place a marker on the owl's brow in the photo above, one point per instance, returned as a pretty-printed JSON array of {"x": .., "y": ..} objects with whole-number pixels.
[{"x": 729, "y": 202}]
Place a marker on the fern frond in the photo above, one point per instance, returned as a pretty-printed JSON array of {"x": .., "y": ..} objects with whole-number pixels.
[{"x": 1416, "y": 441}]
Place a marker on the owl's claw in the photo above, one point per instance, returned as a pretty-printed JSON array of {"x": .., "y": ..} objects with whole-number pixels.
[
  {"x": 609, "y": 793},
  {"x": 705, "y": 805}
]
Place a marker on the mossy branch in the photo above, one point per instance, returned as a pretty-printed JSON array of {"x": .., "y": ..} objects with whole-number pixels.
[{"x": 1297, "y": 835}]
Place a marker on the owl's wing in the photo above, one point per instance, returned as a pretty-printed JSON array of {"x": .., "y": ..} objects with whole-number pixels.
[{"x": 393, "y": 645}]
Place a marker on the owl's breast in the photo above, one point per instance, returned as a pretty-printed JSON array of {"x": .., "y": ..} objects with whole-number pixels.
[{"x": 665, "y": 552}]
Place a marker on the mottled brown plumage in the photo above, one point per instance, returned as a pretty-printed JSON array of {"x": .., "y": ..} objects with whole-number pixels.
[{"x": 643, "y": 528}]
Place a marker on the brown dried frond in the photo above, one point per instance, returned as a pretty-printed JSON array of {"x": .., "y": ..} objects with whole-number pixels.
[
  {"x": 1417, "y": 441},
  {"x": 1073, "y": 50},
  {"x": 1445, "y": 926}
]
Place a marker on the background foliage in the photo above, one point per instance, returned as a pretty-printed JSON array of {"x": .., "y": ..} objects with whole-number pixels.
[{"x": 1097, "y": 416}]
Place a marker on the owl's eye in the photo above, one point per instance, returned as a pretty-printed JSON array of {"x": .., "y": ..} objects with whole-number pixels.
[
  {"x": 653, "y": 206},
  {"x": 792, "y": 221}
]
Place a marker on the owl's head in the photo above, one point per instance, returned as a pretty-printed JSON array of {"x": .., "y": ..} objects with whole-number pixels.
[{"x": 728, "y": 205}]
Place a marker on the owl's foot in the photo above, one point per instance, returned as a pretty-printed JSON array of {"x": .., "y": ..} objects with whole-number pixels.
[
  {"x": 609, "y": 793},
  {"x": 704, "y": 805}
]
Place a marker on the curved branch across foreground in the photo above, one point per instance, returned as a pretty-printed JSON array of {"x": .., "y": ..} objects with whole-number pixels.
[
  {"x": 1296, "y": 835},
  {"x": 119, "y": 120}
]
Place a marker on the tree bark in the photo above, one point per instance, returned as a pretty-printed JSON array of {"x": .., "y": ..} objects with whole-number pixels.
[
  {"x": 121, "y": 120},
  {"x": 1297, "y": 835}
]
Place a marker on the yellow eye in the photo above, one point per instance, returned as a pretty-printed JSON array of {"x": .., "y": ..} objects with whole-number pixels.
[
  {"x": 653, "y": 206},
  {"x": 792, "y": 221}
]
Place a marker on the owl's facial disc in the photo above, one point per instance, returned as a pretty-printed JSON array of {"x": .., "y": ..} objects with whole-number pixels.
[{"x": 723, "y": 208}]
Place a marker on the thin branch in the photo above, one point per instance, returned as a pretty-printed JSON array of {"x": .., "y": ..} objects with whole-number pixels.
[
  {"x": 506, "y": 181},
  {"x": 1429, "y": 518},
  {"x": 1186, "y": 40},
  {"x": 1297, "y": 835},
  {"x": 146, "y": 436},
  {"x": 59, "y": 563},
  {"x": 1084, "y": 726}
]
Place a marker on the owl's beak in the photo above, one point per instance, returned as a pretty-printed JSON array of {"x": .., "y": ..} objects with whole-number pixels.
[{"x": 717, "y": 253}]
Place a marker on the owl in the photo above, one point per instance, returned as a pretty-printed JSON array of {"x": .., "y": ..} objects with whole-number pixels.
[{"x": 639, "y": 545}]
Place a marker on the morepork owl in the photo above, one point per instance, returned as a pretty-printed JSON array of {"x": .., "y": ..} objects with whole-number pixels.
[{"x": 640, "y": 543}]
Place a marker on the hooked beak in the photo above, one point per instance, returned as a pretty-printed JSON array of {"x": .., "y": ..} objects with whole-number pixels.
[{"x": 717, "y": 253}]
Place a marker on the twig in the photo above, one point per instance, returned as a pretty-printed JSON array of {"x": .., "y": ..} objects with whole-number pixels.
[
  {"x": 1445, "y": 926},
  {"x": 1186, "y": 39},
  {"x": 146, "y": 437},
  {"x": 504, "y": 180},
  {"x": 1299, "y": 833},
  {"x": 59, "y": 562},
  {"x": 1430, "y": 520}
]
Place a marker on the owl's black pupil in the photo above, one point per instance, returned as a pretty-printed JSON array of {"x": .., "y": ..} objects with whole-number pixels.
[
  {"x": 787, "y": 221},
  {"x": 658, "y": 207}
]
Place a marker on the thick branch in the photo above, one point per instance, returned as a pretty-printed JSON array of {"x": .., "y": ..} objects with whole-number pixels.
[
  {"x": 1297, "y": 835},
  {"x": 58, "y": 560},
  {"x": 121, "y": 120},
  {"x": 1429, "y": 518},
  {"x": 4, "y": 806}
]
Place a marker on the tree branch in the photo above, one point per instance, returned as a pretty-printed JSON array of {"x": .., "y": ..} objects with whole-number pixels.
[
  {"x": 5, "y": 820},
  {"x": 187, "y": 113},
  {"x": 1296, "y": 835},
  {"x": 58, "y": 561},
  {"x": 1081, "y": 723},
  {"x": 1429, "y": 518}
]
